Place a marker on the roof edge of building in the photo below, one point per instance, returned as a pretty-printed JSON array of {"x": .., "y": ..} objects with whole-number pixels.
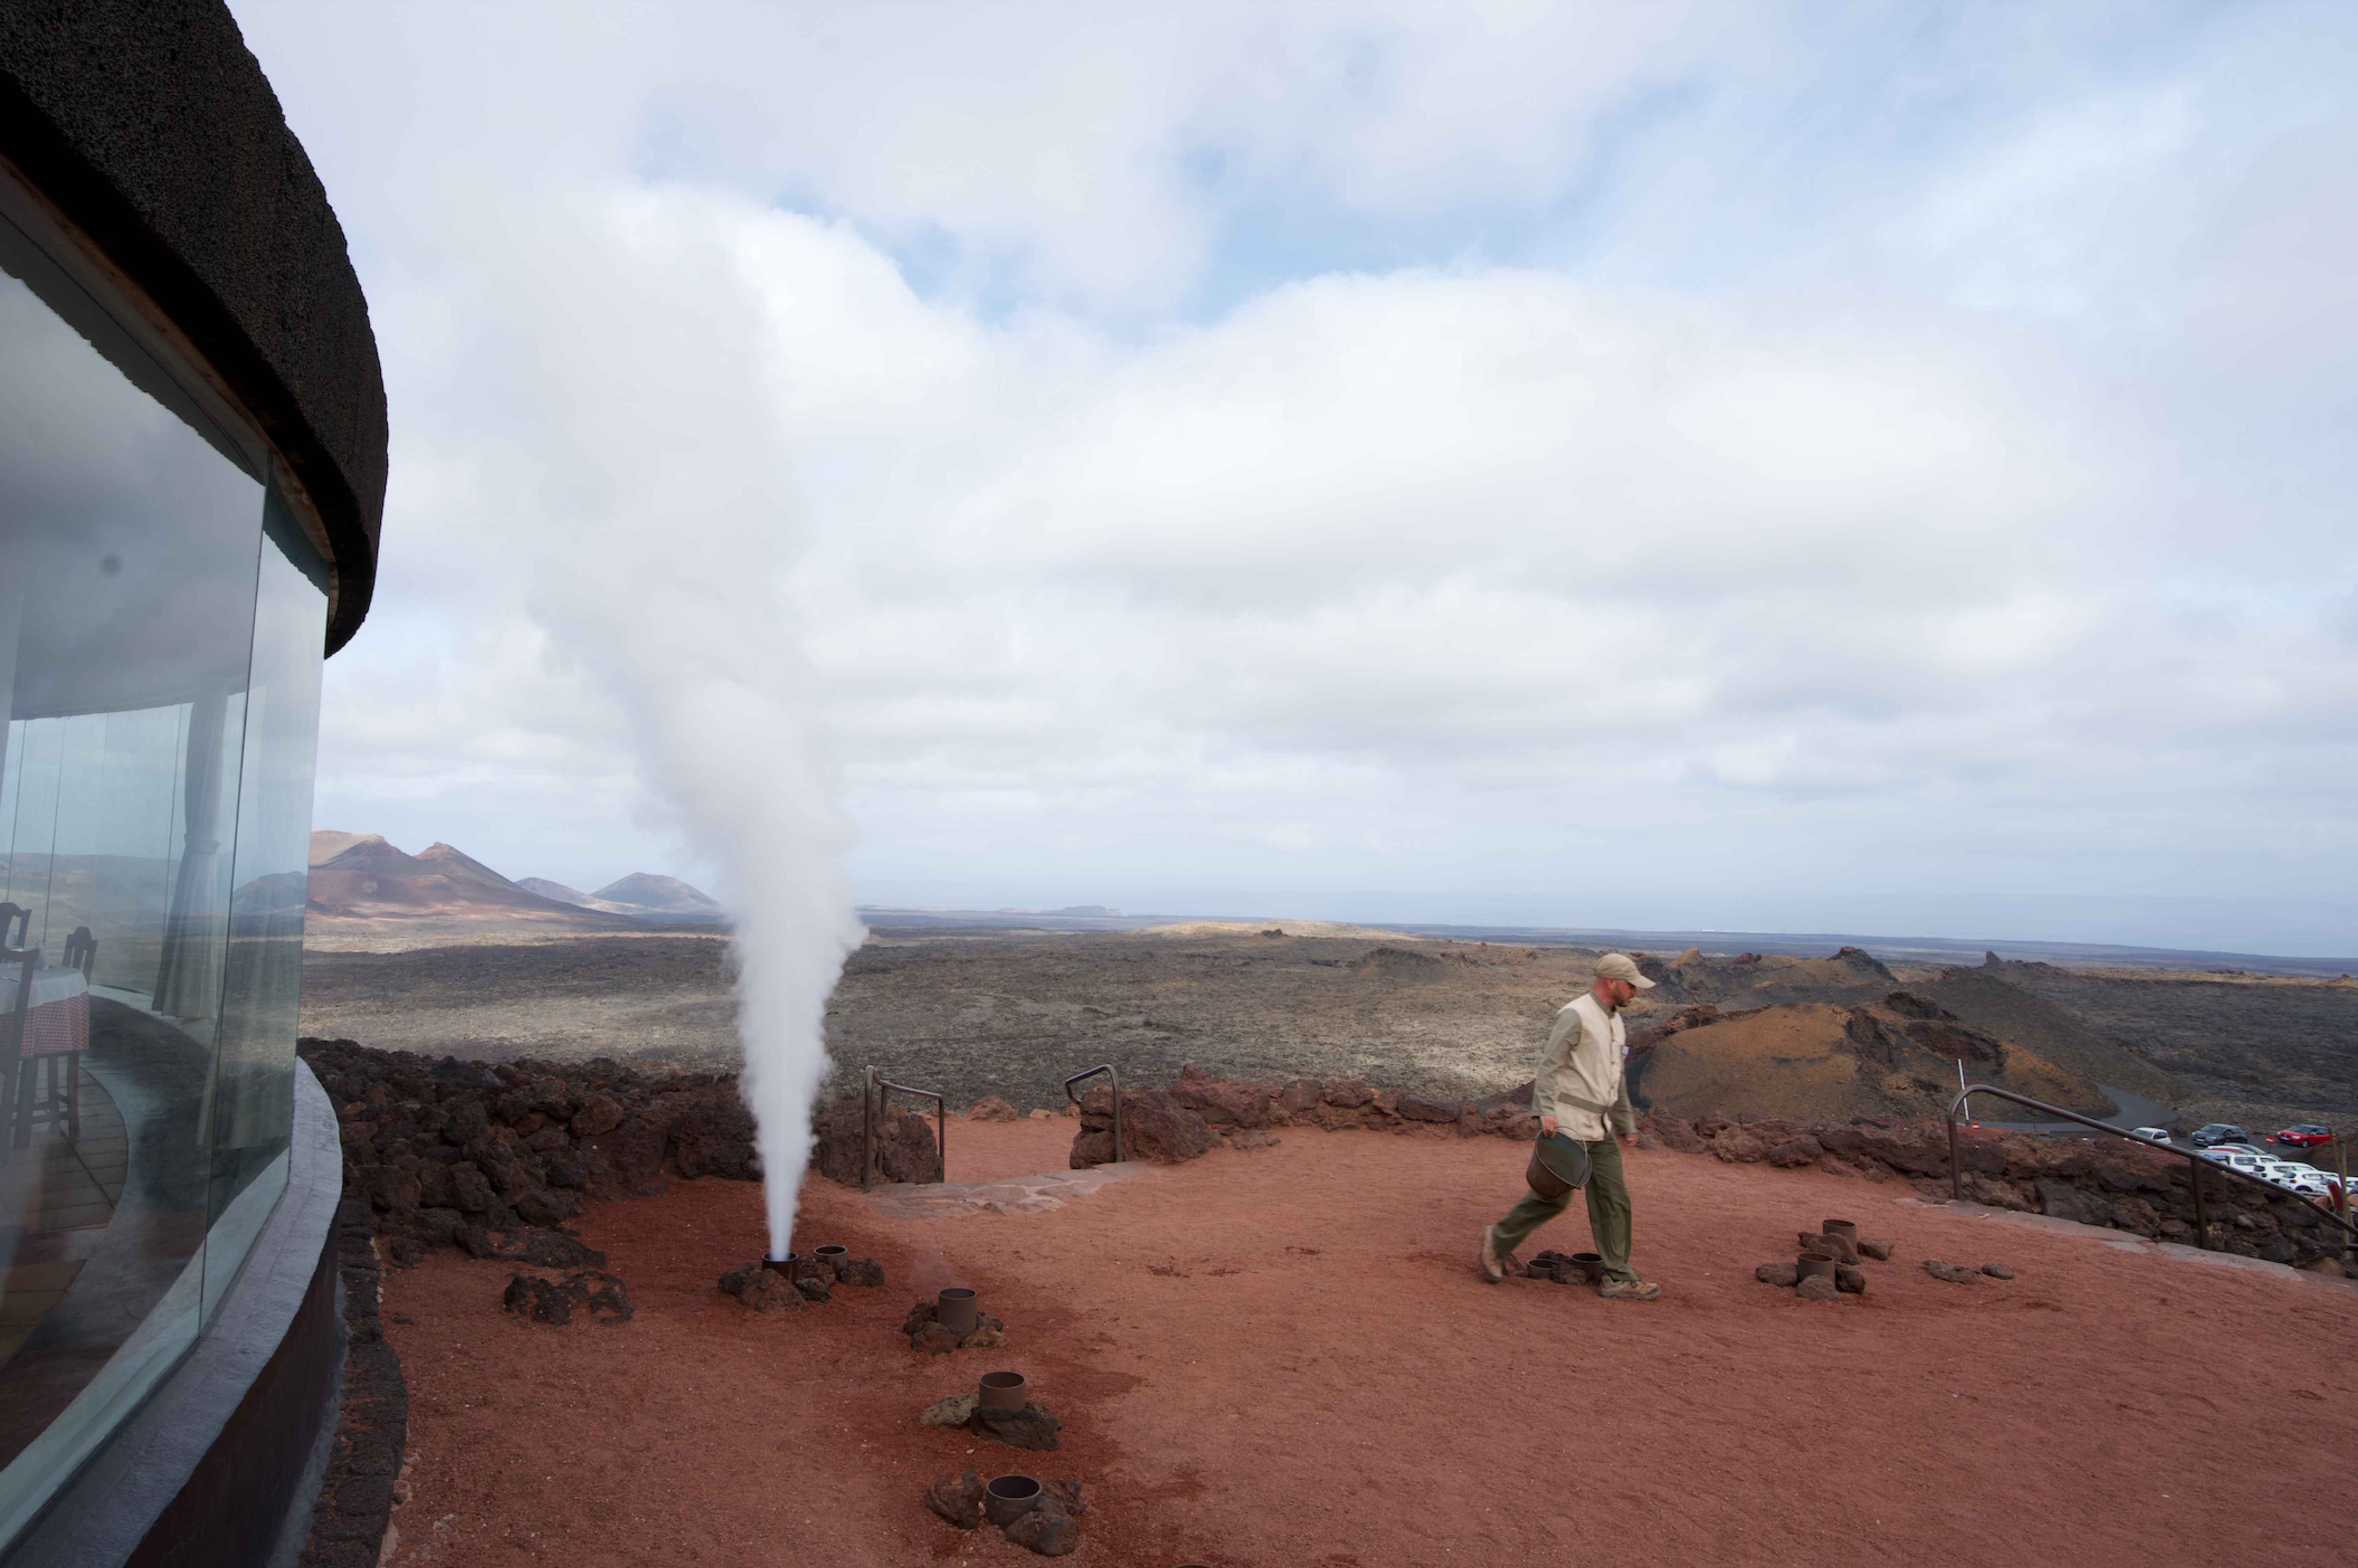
[{"x": 149, "y": 129}]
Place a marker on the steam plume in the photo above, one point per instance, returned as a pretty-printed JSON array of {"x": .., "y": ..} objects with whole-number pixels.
[{"x": 724, "y": 710}]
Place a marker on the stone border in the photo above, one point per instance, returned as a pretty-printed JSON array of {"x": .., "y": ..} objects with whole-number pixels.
[{"x": 354, "y": 1513}]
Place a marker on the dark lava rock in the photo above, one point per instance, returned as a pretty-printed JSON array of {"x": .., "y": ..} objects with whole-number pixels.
[
  {"x": 906, "y": 1149},
  {"x": 551, "y": 1249},
  {"x": 1997, "y": 1270},
  {"x": 1349, "y": 1093},
  {"x": 1063, "y": 1495},
  {"x": 763, "y": 1289},
  {"x": 933, "y": 1338},
  {"x": 1869, "y": 1247},
  {"x": 599, "y": 1112},
  {"x": 814, "y": 1288},
  {"x": 541, "y": 1206},
  {"x": 1221, "y": 1102},
  {"x": 1050, "y": 1531},
  {"x": 921, "y": 1312},
  {"x": 1412, "y": 1108},
  {"x": 958, "y": 1498},
  {"x": 1782, "y": 1274},
  {"x": 1030, "y": 1427},
  {"x": 1816, "y": 1288},
  {"x": 863, "y": 1271},
  {"x": 1850, "y": 1281},
  {"x": 1955, "y": 1273},
  {"x": 594, "y": 1293},
  {"x": 1154, "y": 1126},
  {"x": 1797, "y": 1152}
]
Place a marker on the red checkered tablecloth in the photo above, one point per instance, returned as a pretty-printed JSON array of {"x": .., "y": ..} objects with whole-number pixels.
[{"x": 59, "y": 1020}]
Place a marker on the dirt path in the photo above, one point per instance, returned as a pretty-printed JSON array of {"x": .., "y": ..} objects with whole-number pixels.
[{"x": 1285, "y": 1357}]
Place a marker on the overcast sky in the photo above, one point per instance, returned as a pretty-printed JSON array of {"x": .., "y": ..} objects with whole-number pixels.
[{"x": 1870, "y": 468}]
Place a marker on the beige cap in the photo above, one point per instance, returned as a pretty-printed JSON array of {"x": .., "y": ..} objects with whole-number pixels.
[{"x": 1621, "y": 967}]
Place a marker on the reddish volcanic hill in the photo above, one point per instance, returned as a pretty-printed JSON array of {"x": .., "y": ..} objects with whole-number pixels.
[{"x": 359, "y": 876}]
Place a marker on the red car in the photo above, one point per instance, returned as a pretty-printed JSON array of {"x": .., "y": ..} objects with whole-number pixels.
[{"x": 2302, "y": 1135}]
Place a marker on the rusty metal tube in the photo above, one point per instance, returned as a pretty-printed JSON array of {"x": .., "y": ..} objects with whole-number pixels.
[
  {"x": 954, "y": 1309},
  {"x": 1009, "y": 1498},
  {"x": 1002, "y": 1391}
]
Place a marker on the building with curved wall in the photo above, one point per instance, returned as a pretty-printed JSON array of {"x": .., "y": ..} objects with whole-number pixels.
[{"x": 192, "y": 453}]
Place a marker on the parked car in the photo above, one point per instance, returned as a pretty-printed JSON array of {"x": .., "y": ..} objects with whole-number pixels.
[
  {"x": 2302, "y": 1135},
  {"x": 2218, "y": 1132},
  {"x": 2151, "y": 1134}
]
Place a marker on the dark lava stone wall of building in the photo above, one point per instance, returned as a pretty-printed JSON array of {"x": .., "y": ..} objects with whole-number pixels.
[{"x": 151, "y": 128}]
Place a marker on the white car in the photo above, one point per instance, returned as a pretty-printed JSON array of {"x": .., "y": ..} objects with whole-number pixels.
[{"x": 2151, "y": 1134}]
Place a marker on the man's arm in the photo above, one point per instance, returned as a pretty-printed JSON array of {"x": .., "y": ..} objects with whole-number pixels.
[{"x": 1561, "y": 1039}]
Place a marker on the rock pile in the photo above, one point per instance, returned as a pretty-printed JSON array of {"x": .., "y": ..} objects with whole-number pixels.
[
  {"x": 906, "y": 1148},
  {"x": 805, "y": 1281},
  {"x": 1028, "y": 1426},
  {"x": 927, "y": 1333},
  {"x": 1051, "y": 1526},
  {"x": 1826, "y": 1263},
  {"x": 1964, "y": 1274},
  {"x": 1562, "y": 1269},
  {"x": 450, "y": 1153},
  {"x": 596, "y": 1294}
]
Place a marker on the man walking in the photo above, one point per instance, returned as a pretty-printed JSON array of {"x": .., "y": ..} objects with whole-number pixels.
[{"x": 1579, "y": 1087}]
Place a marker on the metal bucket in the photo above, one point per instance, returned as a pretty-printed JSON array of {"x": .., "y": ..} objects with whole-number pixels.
[
  {"x": 1559, "y": 1165},
  {"x": 831, "y": 1258},
  {"x": 1002, "y": 1391},
  {"x": 1009, "y": 1498},
  {"x": 784, "y": 1265},
  {"x": 1845, "y": 1228},
  {"x": 1591, "y": 1266},
  {"x": 954, "y": 1309},
  {"x": 1821, "y": 1267}
]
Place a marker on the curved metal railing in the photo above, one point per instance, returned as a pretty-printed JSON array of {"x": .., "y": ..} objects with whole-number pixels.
[
  {"x": 2196, "y": 1164},
  {"x": 1107, "y": 1068},
  {"x": 871, "y": 1102}
]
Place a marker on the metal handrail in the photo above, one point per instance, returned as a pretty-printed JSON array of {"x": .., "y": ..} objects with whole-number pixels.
[
  {"x": 871, "y": 1101},
  {"x": 1107, "y": 1068},
  {"x": 2195, "y": 1162}
]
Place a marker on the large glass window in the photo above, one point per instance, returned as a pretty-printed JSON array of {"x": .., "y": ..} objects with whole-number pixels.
[{"x": 161, "y": 626}]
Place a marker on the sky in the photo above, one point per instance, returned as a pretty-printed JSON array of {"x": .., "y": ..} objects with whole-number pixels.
[{"x": 1774, "y": 467}]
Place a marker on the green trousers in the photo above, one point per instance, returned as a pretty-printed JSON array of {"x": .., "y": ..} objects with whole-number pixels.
[{"x": 1608, "y": 1211}]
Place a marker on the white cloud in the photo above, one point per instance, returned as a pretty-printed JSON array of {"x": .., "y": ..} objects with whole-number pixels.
[{"x": 1970, "y": 540}]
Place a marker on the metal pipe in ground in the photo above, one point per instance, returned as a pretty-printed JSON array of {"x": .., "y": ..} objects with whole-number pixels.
[
  {"x": 954, "y": 1309},
  {"x": 1002, "y": 1391},
  {"x": 1009, "y": 1498}
]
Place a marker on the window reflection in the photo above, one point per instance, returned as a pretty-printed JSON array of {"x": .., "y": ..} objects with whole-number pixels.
[{"x": 161, "y": 623}]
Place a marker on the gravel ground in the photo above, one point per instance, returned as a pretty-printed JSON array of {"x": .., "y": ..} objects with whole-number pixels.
[{"x": 1286, "y": 1357}]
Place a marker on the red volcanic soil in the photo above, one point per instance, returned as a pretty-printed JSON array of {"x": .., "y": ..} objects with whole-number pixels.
[{"x": 1285, "y": 1357}]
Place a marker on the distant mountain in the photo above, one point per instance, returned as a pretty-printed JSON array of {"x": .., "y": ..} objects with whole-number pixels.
[
  {"x": 359, "y": 876},
  {"x": 557, "y": 890},
  {"x": 666, "y": 898},
  {"x": 640, "y": 896}
]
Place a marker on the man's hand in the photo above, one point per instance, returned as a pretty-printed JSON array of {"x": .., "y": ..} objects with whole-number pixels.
[
  {"x": 1547, "y": 1126},
  {"x": 1629, "y": 1139}
]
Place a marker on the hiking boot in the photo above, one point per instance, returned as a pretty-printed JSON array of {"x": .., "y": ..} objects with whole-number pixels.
[
  {"x": 1493, "y": 1267},
  {"x": 1628, "y": 1290}
]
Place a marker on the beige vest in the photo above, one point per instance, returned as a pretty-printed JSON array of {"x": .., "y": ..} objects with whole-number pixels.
[{"x": 1579, "y": 1081}]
